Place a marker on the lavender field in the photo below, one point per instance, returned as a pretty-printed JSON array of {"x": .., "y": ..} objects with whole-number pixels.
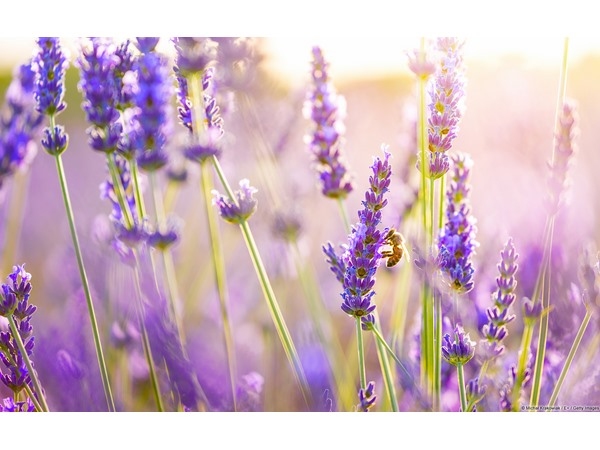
[{"x": 184, "y": 229}]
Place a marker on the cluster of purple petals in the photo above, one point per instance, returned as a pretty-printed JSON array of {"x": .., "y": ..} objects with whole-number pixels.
[
  {"x": 564, "y": 149},
  {"x": 101, "y": 89},
  {"x": 19, "y": 123},
  {"x": 446, "y": 93},
  {"x": 367, "y": 397},
  {"x": 326, "y": 109},
  {"x": 196, "y": 55},
  {"x": 457, "y": 349},
  {"x": 152, "y": 102},
  {"x": 494, "y": 331},
  {"x": 238, "y": 59},
  {"x": 9, "y": 405},
  {"x": 505, "y": 402},
  {"x": 457, "y": 243},
  {"x": 14, "y": 302},
  {"x": 240, "y": 209},
  {"x": 50, "y": 65},
  {"x": 363, "y": 253}
]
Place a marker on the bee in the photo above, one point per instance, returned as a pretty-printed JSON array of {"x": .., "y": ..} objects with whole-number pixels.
[{"x": 394, "y": 239}]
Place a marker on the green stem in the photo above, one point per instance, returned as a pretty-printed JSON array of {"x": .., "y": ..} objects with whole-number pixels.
[
  {"x": 277, "y": 316},
  {"x": 522, "y": 363},
  {"x": 461, "y": 387},
  {"x": 344, "y": 214},
  {"x": 437, "y": 351},
  {"x": 219, "y": 269},
  {"x": 570, "y": 356},
  {"x": 137, "y": 189},
  {"x": 120, "y": 191},
  {"x": 362, "y": 372},
  {"x": 32, "y": 373},
  {"x": 384, "y": 363},
  {"x": 84, "y": 280}
]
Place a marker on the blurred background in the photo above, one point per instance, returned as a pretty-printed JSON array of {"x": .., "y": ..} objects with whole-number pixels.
[{"x": 507, "y": 129}]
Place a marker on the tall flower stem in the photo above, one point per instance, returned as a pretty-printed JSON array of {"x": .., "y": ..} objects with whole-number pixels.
[
  {"x": 32, "y": 373},
  {"x": 362, "y": 373},
  {"x": 570, "y": 356},
  {"x": 84, "y": 280},
  {"x": 167, "y": 260},
  {"x": 344, "y": 214},
  {"x": 543, "y": 332},
  {"x": 219, "y": 266},
  {"x": 461, "y": 387},
  {"x": 277, "y": 316}
]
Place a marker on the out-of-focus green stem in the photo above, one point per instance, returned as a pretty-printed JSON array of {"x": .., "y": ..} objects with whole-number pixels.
[
  {"x": 344, "y": 214},
  {"x": 219, "y": 269},
  {"x": 84, "y": 281},
  {"x": 461, "y": 387},
  {"x": 543, "y": 333},
  {"x": 570, "y": 356}
]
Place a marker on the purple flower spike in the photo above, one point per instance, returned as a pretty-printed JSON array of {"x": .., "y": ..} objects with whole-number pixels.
[
  {"x": 564, "y": 149},
  {"x": 14, "y": 301},
  {"x": 498, "y": 315},
  {"x": 446, "y": 93},
  {"x": 194, "y": 54},
  {"x": 460, "y": 350},
  {"x": 326, "y": 109},
  {"x": 367, "y": 397},
  {"x": 457, "y": 243},
  {"x": 19, "y": 123},
  {"x": 363, "y": 252},
  {"x": 50, "y": 67},
  {"x": 152, "y": 102},
  {"x": 243, "y": 207},
  {"x": 9, "y": 405}
]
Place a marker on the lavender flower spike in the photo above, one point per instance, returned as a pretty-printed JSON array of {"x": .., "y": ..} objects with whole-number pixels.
[
  {"x": 498, "y": 315},
  {"x": 460, "y": 350},
  {"x": 152, "y": 102},
  {"x": 327, "y": 109},
  {"x": 564, "y": 149},
  {"x": 457, "y": 241},
  {"x": 446, "y": 92},
  {"x": 242, "y": 208},
  {"x": 363, "y": 253},
  {"x": 367, "y": 397},
  {"x": 50, "y": 65},
  {"x": 19, "y": 123}
]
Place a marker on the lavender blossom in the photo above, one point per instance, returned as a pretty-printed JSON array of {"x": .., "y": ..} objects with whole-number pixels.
[
  {"x": 498, "y": 315},
  {"x": 564, "y": 149},
  {"x": 367, "y": 397},
  {"x": 194, "y": 54},
  {"x": 50, "y": 65},
  {"x": 249, "y": 392},
  {"x": 9, "y": 405},
  {"x": 240, "y": 209},
  {"x": 164, "y": 237},
  {"x": 475, "y": 392},
  {"x": 237, "y": 57},
  {"x": 19, "y": 123},
  {"x": 363, "y": 253},
  {"x": 446, "y": 92},
  {"x": 327, "y": 109},
  {"x": 152, "y": 102},
  {"x": 14, "y": 301},
  {"x": 457, "y": 243},
  {"x": 460, "y": 350},
  {"x": 101, "y": 89}
]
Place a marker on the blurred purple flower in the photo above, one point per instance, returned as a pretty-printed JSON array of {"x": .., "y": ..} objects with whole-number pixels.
[
  {"x": 19, "y": 123},
  {"x": 240, "y": 209},
  {"x": 564, "y": 149},
  {"x": 9, "y": 405},
  {"x": 152, "y": 109},
  {"x": 457, "y": 243},
  {"x": 327, "y": 109},
  {"x": 367, "y": 397},
  {"x": 446, "y": 93}
]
